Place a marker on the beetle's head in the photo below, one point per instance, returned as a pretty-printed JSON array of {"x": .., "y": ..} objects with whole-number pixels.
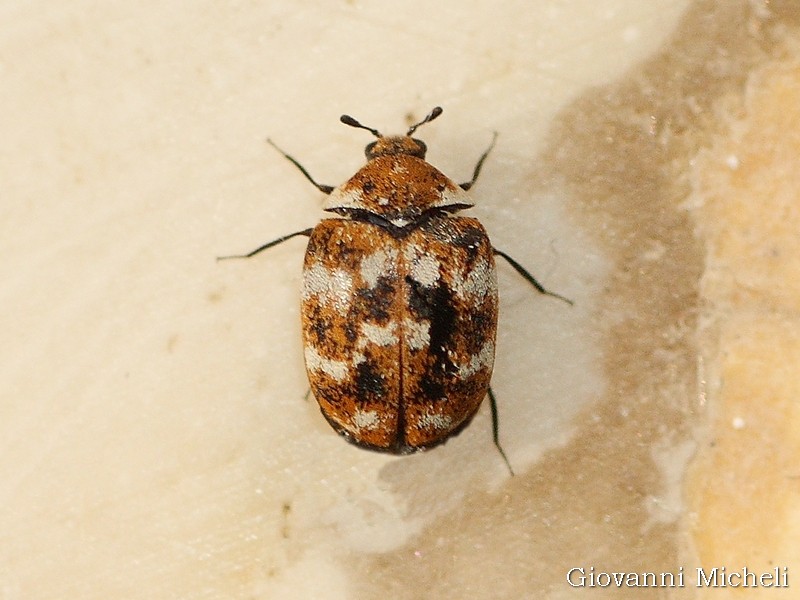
[{"x": 396, "y": 144}]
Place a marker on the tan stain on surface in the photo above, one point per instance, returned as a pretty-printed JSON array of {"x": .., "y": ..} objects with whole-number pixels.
[
  {"x": 744, "y": 486},
  {"x": 612, "y": 498}
]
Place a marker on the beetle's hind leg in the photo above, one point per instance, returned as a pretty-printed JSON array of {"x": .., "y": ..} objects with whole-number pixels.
[{"x": 496, "y": 429}]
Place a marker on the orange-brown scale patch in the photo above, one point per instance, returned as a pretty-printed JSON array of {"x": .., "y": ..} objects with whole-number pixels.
[{"x": 398, "y": 186}]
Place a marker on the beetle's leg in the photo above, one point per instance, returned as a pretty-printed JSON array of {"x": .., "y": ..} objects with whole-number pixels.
[
  {"x": 325, "y": 189},
  {"x": 496, "y": 429},
  {"x": 479, "y": 166},
  {"x": 280, "y": 240},
  {"x": 530, "y": 278}
]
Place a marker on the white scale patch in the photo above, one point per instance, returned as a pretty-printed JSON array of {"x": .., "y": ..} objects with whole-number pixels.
[
  {"x": 339, "y": 198},
  {"x": 424, "y": 268},
  {"x": 477, "y": 283},
  {"x": 333, "y": 286},
  {"x": 373, "y": 334},
  {"x": 316, "y": 362},
  {"x": 483, "y": 360},
  {"x": 454, "y": 196},
  {"x": 358, "y": 358},
  {"x": 380, "y": 262},
  {"x": 366, "y": 419},
  {"x": 378, "y": 335},
  {"x": 353, "y": 198},
  {"x": 370, "y": 334},
  {"x": 436, "y": 421},
  {"x": 417, "y": 335}
]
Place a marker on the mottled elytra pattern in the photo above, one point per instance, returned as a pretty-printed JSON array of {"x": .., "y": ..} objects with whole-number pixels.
[{"x": 399, "y": 328}]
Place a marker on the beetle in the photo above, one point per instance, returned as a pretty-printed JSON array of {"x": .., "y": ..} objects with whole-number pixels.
[{"x": 399, "y": 300}]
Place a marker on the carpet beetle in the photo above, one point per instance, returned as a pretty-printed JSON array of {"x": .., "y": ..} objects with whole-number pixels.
[{"x": 399, "y": 301}]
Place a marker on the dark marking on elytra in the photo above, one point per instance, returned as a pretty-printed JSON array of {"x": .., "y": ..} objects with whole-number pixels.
[
  {"x": 368, "y": 379},
  {"x": 378, "y": 299},
  {"x": 351, "y": 332},
  {"x": 435, "y": 304},
  {"x": 320, "y": 329},
  {"x": 432, "y": 388}
]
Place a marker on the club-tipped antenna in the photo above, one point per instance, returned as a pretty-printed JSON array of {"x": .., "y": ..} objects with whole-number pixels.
[
  {"x": 437, "y": 110},
  {"x": 348, "y": 120}
]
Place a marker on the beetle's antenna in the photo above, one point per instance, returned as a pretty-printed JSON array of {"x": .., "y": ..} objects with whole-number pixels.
[
  {"x": 437, "y": 110},
  {"x": 348, "y": 120}
]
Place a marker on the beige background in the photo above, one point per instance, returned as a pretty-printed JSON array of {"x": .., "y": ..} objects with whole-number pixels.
[{"x": 155, "y": 442}]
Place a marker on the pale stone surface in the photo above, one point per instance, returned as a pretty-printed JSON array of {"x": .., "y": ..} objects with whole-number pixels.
[{"x": 155, "y": 441}]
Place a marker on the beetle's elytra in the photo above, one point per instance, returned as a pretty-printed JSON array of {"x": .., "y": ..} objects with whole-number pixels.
[{"x": 399, "y": 301}]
